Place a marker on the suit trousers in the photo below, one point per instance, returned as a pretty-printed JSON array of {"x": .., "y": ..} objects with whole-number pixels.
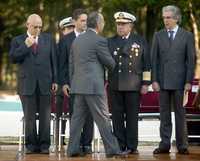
[
  {"x": 174, "y": 98},
  {"x": 22, "y": 101},
  {"x": 124, "y": 108},
  {"x": 37, "y": 103},
  {"x": 97, "y": 105},
  {"x": 88, "y": 128},
  {"x": 59, "y": 111}
]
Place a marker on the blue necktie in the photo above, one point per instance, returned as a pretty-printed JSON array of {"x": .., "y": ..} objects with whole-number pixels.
[{"x": 171, "y": 38}]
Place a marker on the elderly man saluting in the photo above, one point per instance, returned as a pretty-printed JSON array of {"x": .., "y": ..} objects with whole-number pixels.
[{"x": 34, "y": 52}]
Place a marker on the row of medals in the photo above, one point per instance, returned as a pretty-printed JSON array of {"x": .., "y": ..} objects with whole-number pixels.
[{"x": 133, "y": 50}]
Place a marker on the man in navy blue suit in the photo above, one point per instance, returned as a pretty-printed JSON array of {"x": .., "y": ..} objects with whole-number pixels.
[{"x": 34, "y": 52}]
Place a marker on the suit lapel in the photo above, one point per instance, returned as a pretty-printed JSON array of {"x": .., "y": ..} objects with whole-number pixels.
[
  {"x": 165, "y": 38},
  {"x": 127, "y": 47},
  {"x": 24, "y": 37},
  {"x": 177, "y": 38},
  {"x": 39, "y": 44},
  {"x": 73, "y": 36},
  {"x": 116, "y": 43}
]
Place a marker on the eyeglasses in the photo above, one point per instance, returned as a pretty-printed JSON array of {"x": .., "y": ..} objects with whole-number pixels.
[
  {"x": 167, "y": 17},
  {"x": 37, "y": 27}
]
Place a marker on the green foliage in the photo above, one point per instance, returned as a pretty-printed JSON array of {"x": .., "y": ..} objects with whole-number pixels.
[{"x": 13, "y": 14}]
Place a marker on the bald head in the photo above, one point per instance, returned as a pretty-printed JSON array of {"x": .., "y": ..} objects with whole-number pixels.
[{"x": 34, "y": 24}]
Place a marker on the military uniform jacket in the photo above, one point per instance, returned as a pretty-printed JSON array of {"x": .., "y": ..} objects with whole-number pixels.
[
  {"x": 173, "y": 66},
  {"x": 64, "y": 47},
  {"x": 132, "y": 63}
]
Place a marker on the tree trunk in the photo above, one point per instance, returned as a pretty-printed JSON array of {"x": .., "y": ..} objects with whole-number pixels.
[{"x": 196, "y": 38}]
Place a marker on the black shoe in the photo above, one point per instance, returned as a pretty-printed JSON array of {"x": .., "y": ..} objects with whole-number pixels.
[
  {"x": 28, "y": 151},
  {"x": 76, "y": 155},
  {"x": 44, "y": 151},
  {"x": 87, "y": 150},
  {"x": 73, "y": 155},
  {"x": 160, "y": 151},
  {"x": 183, "y": 151},
  {"x": 132, "y": 151}
]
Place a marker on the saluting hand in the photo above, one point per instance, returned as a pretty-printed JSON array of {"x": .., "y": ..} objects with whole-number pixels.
[{"x": 29, "y": 41}]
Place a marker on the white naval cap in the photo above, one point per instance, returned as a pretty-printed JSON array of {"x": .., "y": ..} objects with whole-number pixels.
[
  {"x": 124, "y": 17},
  {"x": 66, "y": 22}
]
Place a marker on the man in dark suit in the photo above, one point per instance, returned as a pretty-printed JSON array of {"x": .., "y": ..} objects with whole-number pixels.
[
  {"x": 66, "y": 26},
  {"x": 80, "y": 19},
  {"x": 89, "y": 55},
  {"x": 129, "y": 79},
  {"x": 34, "y": 52},
  {"x": 173, "y": 56}
]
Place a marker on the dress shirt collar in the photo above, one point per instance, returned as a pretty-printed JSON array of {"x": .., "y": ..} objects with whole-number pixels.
[
  {"x": 175, "y": 29},
  {"x": 77, "y": 33},
  {"x": 127, "y": 36},
  {"x": 93, "y": 30}
]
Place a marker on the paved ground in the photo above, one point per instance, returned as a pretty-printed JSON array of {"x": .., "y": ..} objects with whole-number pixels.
[{"x": 9, "y": 153}]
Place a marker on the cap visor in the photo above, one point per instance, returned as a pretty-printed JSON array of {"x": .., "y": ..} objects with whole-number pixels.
[{"x": 123, "y": 21}]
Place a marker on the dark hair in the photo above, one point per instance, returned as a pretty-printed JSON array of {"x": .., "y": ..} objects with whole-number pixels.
[
  {"x": 77, "y": 13},
  {"x": 93, "y": 20}
]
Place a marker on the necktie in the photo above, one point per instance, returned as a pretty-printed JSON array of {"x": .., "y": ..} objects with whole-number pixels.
[
  {"x": 34, "y": 47},
  {"x": 171, "y": 34}
]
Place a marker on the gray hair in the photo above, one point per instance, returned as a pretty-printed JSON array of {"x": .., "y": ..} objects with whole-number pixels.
[
  {"x": 94, "y": 18},
  {"x": 175, "y": 11}
]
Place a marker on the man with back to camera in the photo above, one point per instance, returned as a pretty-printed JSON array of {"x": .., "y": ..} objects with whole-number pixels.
[
  {"x": 34, "y": 52},
  {"x": 88, "y": 58},
  {"x": 80, "y": 21},
  {"x": 128, "y": 80},
  {"x": 173, "y": 62}
]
